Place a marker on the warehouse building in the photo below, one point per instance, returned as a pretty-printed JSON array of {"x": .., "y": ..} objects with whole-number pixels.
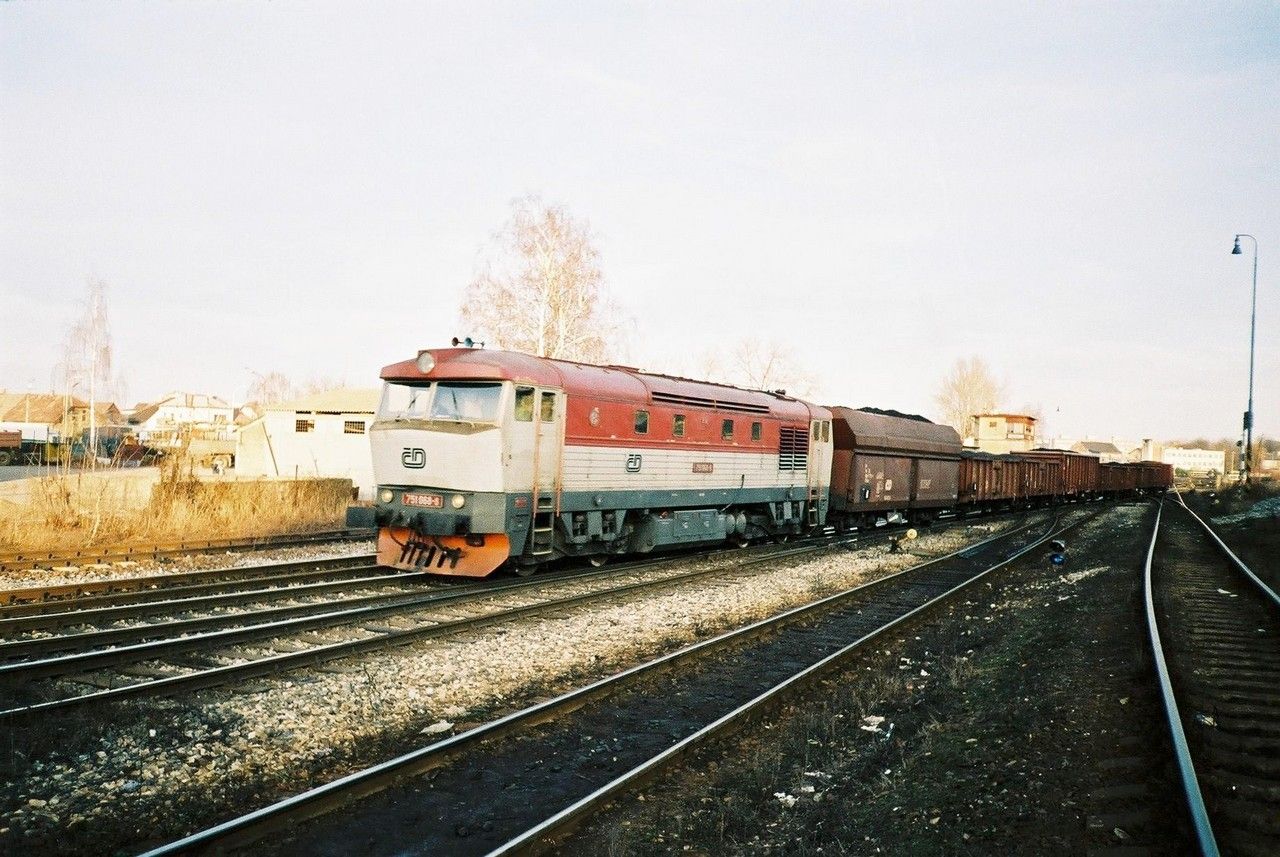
[{"x": 326, "y": 434}]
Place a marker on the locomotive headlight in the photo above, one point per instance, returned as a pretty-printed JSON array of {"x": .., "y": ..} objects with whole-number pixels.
[
  {"x": 426, "y": 362},
  {"x": 386, "y": 495},
  {"x": 458, "y": 501}
]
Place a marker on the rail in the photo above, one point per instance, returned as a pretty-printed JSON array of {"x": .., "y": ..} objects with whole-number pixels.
[
  {"x": 340, "y": 792},
  {"x": 1186, "y": 769},
  {"x": 27, "y": 560}
]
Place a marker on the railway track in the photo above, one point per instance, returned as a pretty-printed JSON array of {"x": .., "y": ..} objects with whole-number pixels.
[
  {"x": 89, "y": 595},
  {"x": 117, "y": 553},
  {"x": 520, "y": 782},
  {"x": 1214, "y": 628},
  {"x": 155, "y": 659}
]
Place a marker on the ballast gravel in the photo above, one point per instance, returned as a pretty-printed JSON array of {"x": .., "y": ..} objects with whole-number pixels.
[{"x": 139, "y": 775}]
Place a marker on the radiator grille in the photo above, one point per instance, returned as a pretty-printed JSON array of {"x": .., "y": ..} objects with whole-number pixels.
[{"x": 793, "y": 448}]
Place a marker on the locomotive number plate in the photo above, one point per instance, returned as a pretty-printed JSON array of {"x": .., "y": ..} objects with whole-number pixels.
[{"x": 426, "y": 501}]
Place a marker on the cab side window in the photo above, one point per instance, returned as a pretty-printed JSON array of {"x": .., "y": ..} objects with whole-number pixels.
[
  {"x": 548, "y": 407},
  {"x": 642, "y": 422},
  {"x": 524, "y": 404}
]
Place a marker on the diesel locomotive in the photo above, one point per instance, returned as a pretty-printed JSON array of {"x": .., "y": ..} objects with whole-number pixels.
[
  {"x": 484, "y": 458},
  {"x": 488, "y": 459}
]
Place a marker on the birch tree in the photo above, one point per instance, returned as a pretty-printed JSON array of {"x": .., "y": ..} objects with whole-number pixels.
[
  {"x": 86, "y": 366},
  {"x": 269, "y": 388},
  {"x": 968, "y": 389},
  {"x": 540, "y": 289},
  {"x": 758, "y": 365}
]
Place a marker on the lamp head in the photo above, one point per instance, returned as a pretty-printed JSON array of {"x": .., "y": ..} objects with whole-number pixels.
[{"x": 1235, "y": 250}]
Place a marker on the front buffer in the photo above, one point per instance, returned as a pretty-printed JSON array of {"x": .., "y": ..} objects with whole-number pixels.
[{"x": 474, "y": 555}]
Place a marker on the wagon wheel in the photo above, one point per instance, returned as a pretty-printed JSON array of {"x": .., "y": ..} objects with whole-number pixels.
[
  {"x": 5, "y": 457},
  {"x": 524, "y": 570},
  {"x": 598, "y": 559}
]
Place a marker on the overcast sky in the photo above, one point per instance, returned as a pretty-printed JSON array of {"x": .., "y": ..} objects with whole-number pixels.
[{"x": 305, "y": 187}]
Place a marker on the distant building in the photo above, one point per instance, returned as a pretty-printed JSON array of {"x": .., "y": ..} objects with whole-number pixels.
[
  {"x": 182, "y": 416},
  {"x": 1149, "y": 451},
  {"x": 1000, "y": 433},
  {"x": 1106, "y": 451},
  {"x": 1195, "y": 460},
  {"x": 53, "y": 417},
  {"x": 322, "y": 435}
]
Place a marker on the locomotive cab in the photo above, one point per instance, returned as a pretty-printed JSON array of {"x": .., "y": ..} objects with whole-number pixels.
[{"x": 455, "y": 462}]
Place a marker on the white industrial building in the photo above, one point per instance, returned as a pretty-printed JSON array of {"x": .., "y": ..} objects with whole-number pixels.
[
  {"x": 322, "y": 435},
  {"x": 1195, "y": 460}
]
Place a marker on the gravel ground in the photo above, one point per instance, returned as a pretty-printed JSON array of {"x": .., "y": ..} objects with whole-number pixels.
[
  {"x": 141, "y": 774},
  {"x": 1021, "y": 721},
  {"x": 190, "y": 562}
]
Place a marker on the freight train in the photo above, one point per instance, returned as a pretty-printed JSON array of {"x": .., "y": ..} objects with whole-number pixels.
[{"x": 492, "y": 459}]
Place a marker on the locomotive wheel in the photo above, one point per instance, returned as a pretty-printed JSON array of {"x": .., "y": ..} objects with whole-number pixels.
[
  {"x": 524, "y": 570},
  {"x": 598, "y": 559}
]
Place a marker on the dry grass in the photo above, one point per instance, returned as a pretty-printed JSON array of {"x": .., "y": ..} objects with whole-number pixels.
[{"x": 66, "y": 511}]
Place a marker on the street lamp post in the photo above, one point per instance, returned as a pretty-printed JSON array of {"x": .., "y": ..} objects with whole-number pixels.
[{"x": 1253, "y": 320}]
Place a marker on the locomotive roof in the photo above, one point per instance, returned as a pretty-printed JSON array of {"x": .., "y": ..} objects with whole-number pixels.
[
  {"x": 617, "y": 383},
  {"x": 871, "y": 428}
]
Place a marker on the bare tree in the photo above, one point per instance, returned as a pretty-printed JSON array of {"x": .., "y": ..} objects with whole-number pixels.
[
  {"x": 540, "y": 289},
  {"x": 967, "y": 390},
  {"x": 269, "y": 388},
  {"x": 322, "y": 384},
  {"x": 759, "y": 365},
  {"x": 87, "y": 357}
]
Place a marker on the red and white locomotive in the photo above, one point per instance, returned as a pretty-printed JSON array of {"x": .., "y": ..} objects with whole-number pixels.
[
  {"x": 493, "y": 458},
  {"x": 485, "y": 458}
]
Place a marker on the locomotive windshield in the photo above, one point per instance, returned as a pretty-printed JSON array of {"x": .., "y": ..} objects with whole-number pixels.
[
  {"x": 455, "y": 402},
  {"x": 476, "y": 403},
  {"x": 404, "y": 402}
]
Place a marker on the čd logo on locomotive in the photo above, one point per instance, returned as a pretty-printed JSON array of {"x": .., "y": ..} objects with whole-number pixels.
[{"x": 414, "y": 457}]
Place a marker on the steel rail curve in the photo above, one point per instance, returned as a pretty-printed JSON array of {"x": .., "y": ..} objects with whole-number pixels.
[
  {"x": 1186, "y": 770},
  {"x": 1241, "y": 629}
]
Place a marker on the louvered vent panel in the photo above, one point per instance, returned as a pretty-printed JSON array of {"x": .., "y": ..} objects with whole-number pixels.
[
  {"x": 701, "y": 402},
  {"x": 793, "y": 449}
]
